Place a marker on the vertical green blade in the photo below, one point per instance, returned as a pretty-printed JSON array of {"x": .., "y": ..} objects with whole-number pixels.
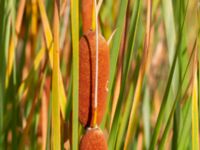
[{"x": 75, "y": 73}]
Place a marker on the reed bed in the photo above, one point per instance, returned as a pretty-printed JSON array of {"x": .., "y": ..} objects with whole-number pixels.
[{"x": 99, "y": 74}]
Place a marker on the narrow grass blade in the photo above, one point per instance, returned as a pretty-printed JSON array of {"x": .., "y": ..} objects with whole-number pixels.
[
  {"x": 10, "y": 59},
  {"x": 136, "y": 98},
  {"x": 116, "y": 43},
  {"x": 186, "y": 128},
  {"x": 166, "y": 93},
  {"x": 169, "y": 122},
  {"x": 146, "y": 117},
  {"x": 14, "y": 38},
  {"x": 133, "y": 114},
  {"x": 48, "y": 140},
  {"x": 20, "y": 15},
  {"x": 163, "y": 105},
  {"x": 49, "y": 42},
  {"x": 56, "y": 141},
  {"x": 195, "y": 110},
  {"x": 169, "y": 22},
  {"x": 123, "y": 126},
  {"x": 113, "y": 62},
  {"x": 30, "y": 118},
  {"x": 176, "y": 101},
  {"x": 111, "y": 37},
  {"x": 2, "y": 70},
  {"x": 170, "y": 27},
  {"x": 44, "y": 115},
  {"x": 47, "y": 30},
  {"x": 132, "y": 37},
  {"x": 69, "y": 104},
  {"x": 99, "y": 6},
  {"x": 34, "y": 18},
  {"x": 4, "y": 36},
  {"x": 27, "y": 82},
  {"x": 75, "y": 73}
]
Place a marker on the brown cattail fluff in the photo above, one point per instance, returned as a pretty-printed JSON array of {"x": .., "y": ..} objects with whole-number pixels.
[
  {"x": 87, "y": 12},
  {"x": 93, "y": 140},
  {"x": 87, "y": 70}
]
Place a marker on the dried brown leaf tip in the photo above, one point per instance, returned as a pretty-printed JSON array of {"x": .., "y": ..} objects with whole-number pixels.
[
  {"x": 87, "y": 61},
  {"x": 93, "y": 140}
]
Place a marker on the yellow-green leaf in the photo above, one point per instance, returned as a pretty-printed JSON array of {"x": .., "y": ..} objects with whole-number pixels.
[
  {"x": 75, "y": 73},
  {"x": 49, "y": 42},
  {"x": 195, "y": 113},
  {"x": 55, "y": 87}
]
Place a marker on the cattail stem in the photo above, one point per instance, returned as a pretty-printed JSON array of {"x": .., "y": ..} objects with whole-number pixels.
[{"x": 97, "y": 64}]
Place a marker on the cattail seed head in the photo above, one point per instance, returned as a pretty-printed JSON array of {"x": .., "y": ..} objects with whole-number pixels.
[
  {"x": 93, "y": 140},
  {"x": 87, "y": 61},
  {"x": 87, "y": 11}
]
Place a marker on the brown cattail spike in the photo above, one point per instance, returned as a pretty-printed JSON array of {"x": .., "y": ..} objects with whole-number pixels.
[
  {"x": 87, "y": 62},
  {"x": 93, "y": 140},
  {"x": 87, "y": 14}
]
